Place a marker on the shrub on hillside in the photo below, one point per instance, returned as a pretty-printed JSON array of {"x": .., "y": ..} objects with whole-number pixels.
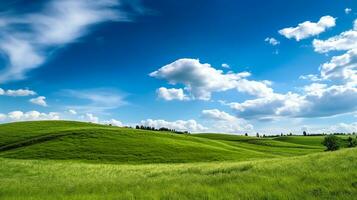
[
  {"x": 352, "y": 142},
  {"x": 331, "y": 142}
]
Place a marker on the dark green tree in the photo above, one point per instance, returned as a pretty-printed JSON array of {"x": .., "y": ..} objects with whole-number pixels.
[
  {"x": 352, "y": 142},
  {"x": 331, "y": 142},
  {"x": 304, "y": 133}
]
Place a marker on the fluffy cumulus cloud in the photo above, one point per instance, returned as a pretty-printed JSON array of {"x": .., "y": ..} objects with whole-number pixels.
[
  {"x": 341, "y": 67},
  {"x": 171, "y": 94},
  {"x": 91, "y": 118},
  {"x": 30, "y": 116},
  {"x": 41, "y": 101},
  {"x": 318, "y": 100},
  {"x": 268, "y": 108},
  {"x": 334, "y": 94},
  {"x": 17, "y": 93},
  {"x": 345, "y": 41},
  {"x": 272, "y": 41},
  {"x": 26, "y": 38},
  {"x": 201, "y": 79},
  {"x": 308, "y": 29},
  {"x": 180, "y": 125},
  {"x": 221, "y": 121}
]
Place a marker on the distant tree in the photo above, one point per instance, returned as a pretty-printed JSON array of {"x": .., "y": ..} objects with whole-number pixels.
[
  {"x": 264, "y": 135},
  {"x": 257, "y": 134},
  {"x": 137, "y": 127},
  {"x": 290, "y": 134},
  {"x": 246, "y": 134},
  {"x": 304, "y": 133},
  {"x": 331, "y": 142},
  {"x": 281, "y": 134},
  {"x": 352, "y": 142}
]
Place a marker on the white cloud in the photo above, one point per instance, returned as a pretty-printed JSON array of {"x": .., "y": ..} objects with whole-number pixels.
[
  {"x": 218, "y": 115},
  {"x": 225, "y": 65},
  {"x": 179, "y": 125},
  {"x": 113, "y": 122},
  {"x": 27, "y": 37},
  {"x": 15, "y": 116},
  {"x": 345, "y": 41},
  {"x": 315, "y": 89},
  {"x": 91, "y": 118},
  {"x": 310, "y": 77},
  {"x": 340, "y": 128},
  {"x": 223, "y": 122},
  {"x": 2, "y": 117},
  {"x": 348, "y": 10},
  {"x": 32, "y": 115},
  {"x": 17, "y": 93},
  {"x": 41, "y": 101},
  {"x": 72, "y": 112},
  {"x": 319, "y": 100},
  {"x": 268, "y": 108},
  {"x": 201, "y": 80},
  {"x": 171, "y": 94},
  {"x": 308, "y": 29},
  {"x": 272, "y": 41},
  {"x": 342, "y": 67}
]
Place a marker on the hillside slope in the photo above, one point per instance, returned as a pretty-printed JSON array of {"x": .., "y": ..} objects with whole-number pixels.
[
  {"x": 327, "y": 175},
  {"x": 66, "y": 140}
]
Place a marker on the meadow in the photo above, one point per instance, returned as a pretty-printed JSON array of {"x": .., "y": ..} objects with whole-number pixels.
[{"x": 75, "y": 160}]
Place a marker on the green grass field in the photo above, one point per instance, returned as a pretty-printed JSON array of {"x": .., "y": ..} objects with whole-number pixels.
[{"x": 75, "y": 160}]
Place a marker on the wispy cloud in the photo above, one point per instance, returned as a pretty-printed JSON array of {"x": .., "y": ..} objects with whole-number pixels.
[
  {"x": 272, "y": 41},
  {"x": 27, "y": 38},
  {"x": 16, "y": 93},
  {"x": 95, "y": 100}
]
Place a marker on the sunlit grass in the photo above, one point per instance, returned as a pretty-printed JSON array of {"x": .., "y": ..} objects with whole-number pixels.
[
  {"x": 317, "y": 176},
  {"x": 73, "y": 160}
]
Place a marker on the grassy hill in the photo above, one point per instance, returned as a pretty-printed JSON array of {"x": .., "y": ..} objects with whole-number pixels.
[
  {"x": 76, "y": 160},
  {"x": 63, "y": 140}
]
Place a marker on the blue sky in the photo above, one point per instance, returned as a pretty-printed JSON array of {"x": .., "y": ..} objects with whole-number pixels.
[{"x": 203, "y": 66}]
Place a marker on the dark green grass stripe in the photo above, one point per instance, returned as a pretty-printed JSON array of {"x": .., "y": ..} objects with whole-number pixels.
[{"x": 36, "y": 140}]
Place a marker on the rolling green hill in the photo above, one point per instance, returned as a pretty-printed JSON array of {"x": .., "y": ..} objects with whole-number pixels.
[
  {"x": 63, "y": 140},
  {"x": 76, "y": 160}
]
